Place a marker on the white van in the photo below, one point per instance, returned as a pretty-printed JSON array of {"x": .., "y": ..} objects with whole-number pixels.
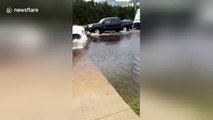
[
  {"x": 136, "y": 23},
  {"x": 80, "y": 39}
]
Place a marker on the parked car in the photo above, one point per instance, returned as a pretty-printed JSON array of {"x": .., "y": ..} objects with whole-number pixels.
[
  {"x": 109, "y": 24},
  {"x": 136, "y": 23},
  {"x": 80, "y": 39},
  {"x": 127, "y": 22}
]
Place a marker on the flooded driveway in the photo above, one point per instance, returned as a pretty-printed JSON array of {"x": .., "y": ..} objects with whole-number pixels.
[{"x": 117, "y": 57}]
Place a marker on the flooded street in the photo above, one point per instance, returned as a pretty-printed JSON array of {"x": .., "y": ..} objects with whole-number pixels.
[{"x": 117, "y": 57}]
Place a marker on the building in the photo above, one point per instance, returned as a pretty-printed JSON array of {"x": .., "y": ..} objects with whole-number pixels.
[
  {"x": 110, "y": 2},
  {"x": 123, "y": 3},
  {"x": 131, "y": 2}
]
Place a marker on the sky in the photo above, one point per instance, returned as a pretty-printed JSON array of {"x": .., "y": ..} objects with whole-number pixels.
[
  {"x": 116, "y": 0},
  {"x": 123, "y": 0}
]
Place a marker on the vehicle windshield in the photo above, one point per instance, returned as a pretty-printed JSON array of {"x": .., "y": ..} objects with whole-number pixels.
[{"x": 101, "y": 20}]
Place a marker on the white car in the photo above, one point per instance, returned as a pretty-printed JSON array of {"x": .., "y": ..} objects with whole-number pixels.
[{"x": 80, "y": 39}]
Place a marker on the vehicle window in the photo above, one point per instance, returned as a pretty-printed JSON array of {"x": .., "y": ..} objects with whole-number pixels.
[
  {"x": 76, "y": 36},
  {"x": 107, "y": 21},
  {"x": 101, "y": 20},
  {"x": 115, "y": 21}
]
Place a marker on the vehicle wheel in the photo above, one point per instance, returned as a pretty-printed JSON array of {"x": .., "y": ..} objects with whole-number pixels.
[
  {"x": 87, "y": 47},
  {"x": 97, "y": 31},
  {"x": 125, "y": 29},
  {"x": 88, "y": 41}
]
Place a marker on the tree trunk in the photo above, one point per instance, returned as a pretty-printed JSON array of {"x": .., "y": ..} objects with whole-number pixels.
[{"x": 135, "y": 5}]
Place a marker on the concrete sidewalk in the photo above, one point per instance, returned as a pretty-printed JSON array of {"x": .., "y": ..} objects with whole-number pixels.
[{"x": 94, "y": 98}]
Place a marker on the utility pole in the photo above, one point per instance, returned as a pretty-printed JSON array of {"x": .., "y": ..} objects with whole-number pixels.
[{"x": 135, "y": 5}]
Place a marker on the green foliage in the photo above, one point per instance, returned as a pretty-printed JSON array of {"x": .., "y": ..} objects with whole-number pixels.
[
  {"x": 128, "y": 90},
  {"x": 91, "y": 12}
]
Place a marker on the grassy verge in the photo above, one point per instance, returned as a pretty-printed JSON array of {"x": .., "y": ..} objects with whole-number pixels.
[
  {"x": 129, "y": 91},
  {"x": 132, "y": 101},
  {"x": 135, "y": 105}
]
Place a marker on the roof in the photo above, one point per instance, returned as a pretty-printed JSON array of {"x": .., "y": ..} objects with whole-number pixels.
[
  {"x": 111, "y": 18},
  {"x": 122, "y": 3},
  {"x": 132, "y": 1},
  {"x": 110, "y": 2}
]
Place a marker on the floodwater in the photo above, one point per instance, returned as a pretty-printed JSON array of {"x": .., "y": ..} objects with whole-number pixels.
[{"x": 117, "y": 56}]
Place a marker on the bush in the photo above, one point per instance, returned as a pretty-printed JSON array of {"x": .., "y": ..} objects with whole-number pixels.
[{"x": 91, "y": 12}]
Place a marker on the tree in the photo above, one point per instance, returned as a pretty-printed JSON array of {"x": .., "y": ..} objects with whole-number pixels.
[{"x": 90, "y": 12}]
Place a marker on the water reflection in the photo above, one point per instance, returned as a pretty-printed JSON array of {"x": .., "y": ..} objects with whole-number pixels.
[
  {"x": 120, "y": 52},
  {"x": 117, "y": 56},
  {"x": 107, "y": 40}
]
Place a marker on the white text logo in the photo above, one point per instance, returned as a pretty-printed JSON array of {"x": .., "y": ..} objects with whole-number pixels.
[
  {"x": 9, "y": 10},
  {"x": 22, "y": 10}
]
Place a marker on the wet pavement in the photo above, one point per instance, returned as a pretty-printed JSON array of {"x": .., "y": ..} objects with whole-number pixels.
[
  {"x": 94, "y": 98},
  {"x": 116, "y": 55},
  {"x": 109, "y": 66}
]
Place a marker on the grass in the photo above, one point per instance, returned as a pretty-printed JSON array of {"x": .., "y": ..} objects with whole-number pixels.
[
  {"x": 135, "y": 105},
  {"x": 132, "y": 101},
  {"x": 85, "y": 26},
  {"x": 129, "y": 91}
]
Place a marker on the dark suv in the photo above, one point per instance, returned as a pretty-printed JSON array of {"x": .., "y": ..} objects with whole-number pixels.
[{"x": 108, "y": 24}]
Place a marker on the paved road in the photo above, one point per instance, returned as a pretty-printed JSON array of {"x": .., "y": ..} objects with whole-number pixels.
[{"x": 93, "y": 96}]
